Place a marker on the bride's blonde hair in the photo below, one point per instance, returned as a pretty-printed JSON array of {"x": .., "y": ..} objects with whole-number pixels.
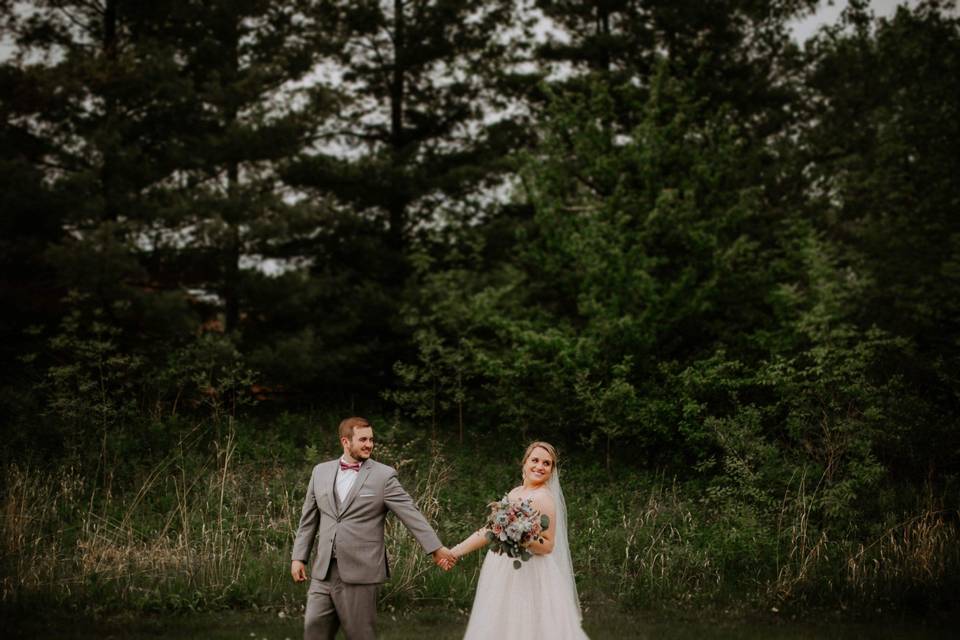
[{"x": 543, "y": 445}]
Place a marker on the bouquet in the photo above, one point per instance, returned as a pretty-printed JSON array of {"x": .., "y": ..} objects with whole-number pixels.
[{"x": 512, "y": 526}]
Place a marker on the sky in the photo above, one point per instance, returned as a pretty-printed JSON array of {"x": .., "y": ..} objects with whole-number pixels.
[{"x": 827, "y": 13}]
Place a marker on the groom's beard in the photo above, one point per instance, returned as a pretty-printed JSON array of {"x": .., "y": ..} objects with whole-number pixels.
[{"x": 359, "y": 454}]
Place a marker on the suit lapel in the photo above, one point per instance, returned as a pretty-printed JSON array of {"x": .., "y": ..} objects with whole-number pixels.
[
  {"x": 355, "y": 489},
  {"x": 331, "y": 483}
]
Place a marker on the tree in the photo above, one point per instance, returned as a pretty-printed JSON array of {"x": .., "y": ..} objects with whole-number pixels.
[
  {"x": 735, "y": 53},
  {"x": 881, "y": 150},
  {"x": 411, "y": 152},
  {"x": 644, "y": 253},
  {"x": 415, "y": 78},
  {"x": 152, "y": 133},
  {"x": 96, "y": 112},
  {"x": 243, "y": 61}
]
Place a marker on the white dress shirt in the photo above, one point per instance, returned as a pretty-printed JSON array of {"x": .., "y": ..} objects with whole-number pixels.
[{"x": 345, "y": 480}]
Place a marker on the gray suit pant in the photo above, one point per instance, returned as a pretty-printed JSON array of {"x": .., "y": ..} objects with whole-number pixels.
[{"x": 332, "y": 603}]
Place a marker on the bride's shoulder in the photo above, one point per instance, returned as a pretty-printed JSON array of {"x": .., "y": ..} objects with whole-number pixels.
[{"x": 542, "y": 497}]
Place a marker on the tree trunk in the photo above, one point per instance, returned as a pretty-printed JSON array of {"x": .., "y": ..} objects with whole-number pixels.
[
  {"x": 397, "y": 208},
  {"x": 232, "y": 251},
  {"x": 608, "y": 454},
  {"x": 108, "y": 190},
  {"x": 231, "y": 279},
  {"x": 460, "y": 396},
  {"x": 603, "y": 29}
]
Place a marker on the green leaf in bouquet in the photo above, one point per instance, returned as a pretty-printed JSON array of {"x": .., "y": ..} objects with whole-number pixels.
[
  {"x": 517, "y": 564},
  {"x": 544, "y": 522},
  {"x": 525, "y": 555},
  {"x": 490, "y": 536}
]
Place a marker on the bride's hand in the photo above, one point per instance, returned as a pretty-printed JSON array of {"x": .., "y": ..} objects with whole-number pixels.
[{"x": 444, "y": 558}]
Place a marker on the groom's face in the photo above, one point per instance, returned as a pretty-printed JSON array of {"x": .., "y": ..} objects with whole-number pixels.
[{"x": 360, "y": 446}]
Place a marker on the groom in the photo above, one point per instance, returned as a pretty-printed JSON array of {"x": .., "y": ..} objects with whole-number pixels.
[{"x": 345, "y": 507}]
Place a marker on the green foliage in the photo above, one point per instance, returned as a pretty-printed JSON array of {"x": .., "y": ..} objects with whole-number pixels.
[
  {"x": 209, "y": 372},
  {"x": 622, "y": 261},
  {"x": 436, "y": 383},
  {"x": 206, "y": 522},
  {"x": 95, "y": 381},
  {"x": 885, "y": 194},
  {"x": 411, "y": 77},
  {"x": 718, "y": 257},
  {"x": 657, "y": 301}
]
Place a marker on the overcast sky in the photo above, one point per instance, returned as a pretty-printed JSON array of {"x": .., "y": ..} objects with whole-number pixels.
[
  {"x": 830, "y": 11},
  {"x": 803, "y": 29}
]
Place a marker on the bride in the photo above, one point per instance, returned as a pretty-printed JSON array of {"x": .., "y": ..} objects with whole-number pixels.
[{"x": 540, "y": 598}]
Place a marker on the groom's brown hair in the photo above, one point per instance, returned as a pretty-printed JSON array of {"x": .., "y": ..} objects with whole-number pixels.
[{"x": 349, "y": 424}]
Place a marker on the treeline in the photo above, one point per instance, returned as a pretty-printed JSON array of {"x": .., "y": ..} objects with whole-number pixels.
[{"x": 661, "y": 230}]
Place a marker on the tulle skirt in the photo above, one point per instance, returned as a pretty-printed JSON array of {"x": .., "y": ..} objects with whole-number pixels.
[{"x": 534, "y": 601}]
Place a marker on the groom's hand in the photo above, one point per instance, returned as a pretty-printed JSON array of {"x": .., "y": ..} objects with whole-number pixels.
[
  {"x": 444, "y": 558},
  {"x": 298, "y": 570}
]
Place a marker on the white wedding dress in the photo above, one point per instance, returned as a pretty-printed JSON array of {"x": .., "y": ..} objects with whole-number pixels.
[{"x": 538, "y": 600}]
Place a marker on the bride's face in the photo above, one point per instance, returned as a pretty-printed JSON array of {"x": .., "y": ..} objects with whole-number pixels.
[{"x": 538, "y": 466}]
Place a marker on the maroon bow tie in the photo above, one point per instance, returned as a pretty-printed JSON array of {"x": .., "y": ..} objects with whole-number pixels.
[{"x": 349, "y": 466}]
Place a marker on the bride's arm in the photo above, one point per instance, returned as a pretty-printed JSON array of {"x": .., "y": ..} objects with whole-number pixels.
[
  {"x": 476, "y": 540},
  {"x": 545, "y": 505}
]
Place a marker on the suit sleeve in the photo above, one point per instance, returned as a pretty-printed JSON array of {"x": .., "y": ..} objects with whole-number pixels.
[
  {"x": 309, "y": 521},
  {"x": 403, "y": 506}
]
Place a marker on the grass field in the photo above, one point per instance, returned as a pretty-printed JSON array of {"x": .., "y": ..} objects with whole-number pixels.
[
  {"x": 444, "y": 624},
  {"x": 208, "y": 528}
]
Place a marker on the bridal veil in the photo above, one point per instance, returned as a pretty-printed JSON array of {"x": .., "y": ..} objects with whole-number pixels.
[{"x": 561, "y": 541}]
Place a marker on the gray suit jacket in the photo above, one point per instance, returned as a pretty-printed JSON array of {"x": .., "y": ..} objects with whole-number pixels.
[{"x": 355, "y": 529}]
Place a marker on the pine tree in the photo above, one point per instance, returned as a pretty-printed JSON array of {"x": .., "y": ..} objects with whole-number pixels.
[
  {"x": 101, "y": 111},
  {"x": 415, "y": 80},
  {"x": 880, "y": 147},
  {"x": 245, "y": 61},
  {"x": 733, "y": 51}
]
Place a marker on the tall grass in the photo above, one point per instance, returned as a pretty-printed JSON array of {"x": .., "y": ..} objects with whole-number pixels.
[
  {"x": 209, "y": 526},
  {"x": 914, "y": 563},
  {"x": 909, "y": 560},
  {"x": 189, "y": 533},
  {"x": 194, "y": 531}
]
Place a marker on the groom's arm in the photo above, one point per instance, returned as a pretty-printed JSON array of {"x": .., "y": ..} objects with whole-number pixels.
[
  {"x": 400, "y": 503},
  {"x": 306, "y": 531}
]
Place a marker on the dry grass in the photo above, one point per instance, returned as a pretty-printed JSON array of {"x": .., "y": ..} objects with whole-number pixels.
[
  {"x": 408, "y": 561},
  {"x": 198, "y": 531},
  {"x": 664, "y": 549},
  {"x": 919, "y": 555},
  {"x": 801, "y": 550},
  {"x": 202, "y": 530},
  {"x": 918, "y": 552},
  {"x": 63, "y": 537},
  {"x": 652, "y": 550}
]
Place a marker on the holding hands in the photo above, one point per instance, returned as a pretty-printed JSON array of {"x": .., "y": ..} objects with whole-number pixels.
[{"x": 444, "y": 558}]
